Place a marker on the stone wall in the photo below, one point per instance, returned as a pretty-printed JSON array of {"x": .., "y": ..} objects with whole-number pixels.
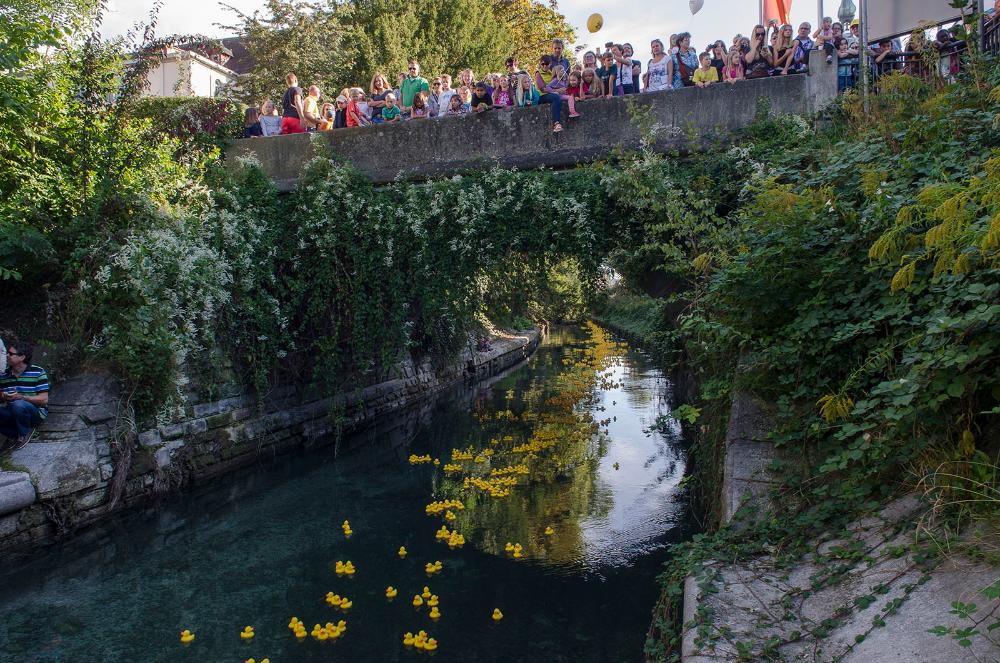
[
  {"x": 523, "y": 138},
  {"x": 61, "y": 481}
]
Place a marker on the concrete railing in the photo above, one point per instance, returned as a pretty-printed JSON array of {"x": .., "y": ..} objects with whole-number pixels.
[{"x": 523, "y": 138}]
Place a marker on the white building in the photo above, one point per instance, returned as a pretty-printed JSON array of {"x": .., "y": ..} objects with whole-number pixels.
[{"x": 186, "y": 73}]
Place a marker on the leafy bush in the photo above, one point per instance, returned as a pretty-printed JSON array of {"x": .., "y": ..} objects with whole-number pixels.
[{"x": 193, "y": 119}]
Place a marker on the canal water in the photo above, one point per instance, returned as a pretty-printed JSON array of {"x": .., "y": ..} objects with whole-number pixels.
[{"x": 587, "y": 416}]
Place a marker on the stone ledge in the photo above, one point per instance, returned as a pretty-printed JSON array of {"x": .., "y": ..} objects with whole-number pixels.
[
  {"x": 60, "y": 468},
  {"x": 16, "y": 492}
]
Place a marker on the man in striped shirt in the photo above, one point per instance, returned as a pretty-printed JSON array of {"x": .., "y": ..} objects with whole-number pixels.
[{"x": 24, "y": 395}]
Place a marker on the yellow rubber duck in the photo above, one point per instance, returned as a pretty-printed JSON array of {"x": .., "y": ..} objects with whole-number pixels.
[
  {"x": 333, "y": 599},
  {"x": 300, "y": 632},
  {"x": 346, "y": 604},
  {"x": 509, "y": 547},
  {"x": 407, "y": 639},
  {"x": 426, "y": 593},
  {"x": 349, "y": 568},
  {"x": 417, "y": 601},
  {"x": 322, "y": 635},
  {"x": 549, "y": 531},
  {"x": 435, "y": 613},
  {"x": 497, "y": 615},
  {"x": 391, "y": 592},
  {"x": 517, "y": 554},
  {"x": 187, "y": 636},
  {"x": 430, "y": 645},
  {"x": 449, "y": 516},
  {"x": 339, "y": 568},
  {"x": 247, "y": 633},
  {"x": 250, "y": 660},
  {"x": 402, "y": 552},
  {"x": 432, "y": 601}
]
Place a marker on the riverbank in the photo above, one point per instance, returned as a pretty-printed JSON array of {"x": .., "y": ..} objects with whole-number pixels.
[
  {"x": 62, "y": 481},
  {"x": 880, "y": 587}
]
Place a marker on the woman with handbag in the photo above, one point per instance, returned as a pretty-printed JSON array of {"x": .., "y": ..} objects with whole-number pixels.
[{"x": 685, "y": 62}]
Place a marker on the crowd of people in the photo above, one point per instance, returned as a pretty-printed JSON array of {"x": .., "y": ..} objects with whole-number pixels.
[
  {"x": 772, "y": 50},
  {"x": 609, "y": 72}
]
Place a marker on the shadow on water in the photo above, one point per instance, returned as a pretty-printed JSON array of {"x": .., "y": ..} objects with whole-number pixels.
[{"x": 261, "y": 546}]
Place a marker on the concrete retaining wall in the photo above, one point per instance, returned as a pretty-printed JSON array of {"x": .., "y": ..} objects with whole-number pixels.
[
  {"x": 61, "y": 481},
  {"x": 523, "y": 138}
]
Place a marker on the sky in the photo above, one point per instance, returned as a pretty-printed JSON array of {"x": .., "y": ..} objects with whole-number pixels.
[{"x": 635, "y": 21}]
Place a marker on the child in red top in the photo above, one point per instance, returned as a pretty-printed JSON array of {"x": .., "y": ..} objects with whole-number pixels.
[
  {"x": 353, "y": 112},
  {"x": 576, "y": 90}
]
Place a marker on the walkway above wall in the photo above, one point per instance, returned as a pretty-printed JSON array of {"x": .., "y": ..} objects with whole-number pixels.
[{"x": 523, "y": 138}]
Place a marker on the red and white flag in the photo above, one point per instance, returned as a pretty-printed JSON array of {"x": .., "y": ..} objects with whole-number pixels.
[{"x": 778, "y": 10}]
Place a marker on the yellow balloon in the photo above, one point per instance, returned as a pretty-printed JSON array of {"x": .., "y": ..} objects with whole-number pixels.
[{"x": 594, "y": 22}]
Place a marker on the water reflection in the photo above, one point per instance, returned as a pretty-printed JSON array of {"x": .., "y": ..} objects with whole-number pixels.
[{"x": 260, "y": 547}]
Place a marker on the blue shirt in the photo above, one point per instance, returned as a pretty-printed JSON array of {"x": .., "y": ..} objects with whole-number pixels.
[{"x": 690, "y": 59}]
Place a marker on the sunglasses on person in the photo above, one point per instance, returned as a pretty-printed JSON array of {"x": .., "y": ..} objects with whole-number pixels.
[
  {"x": 413, "y": 68},
  {"x": 14, "y": 353}
]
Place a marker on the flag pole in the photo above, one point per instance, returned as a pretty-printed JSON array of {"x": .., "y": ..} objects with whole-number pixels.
[{"x": 760, "y": 13}]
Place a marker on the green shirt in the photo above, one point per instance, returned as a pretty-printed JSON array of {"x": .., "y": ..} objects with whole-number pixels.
[
  {"x": 411, "y": 86},
  {"x": 390, "y": 113},
  {"x": 32, "y": 382}
]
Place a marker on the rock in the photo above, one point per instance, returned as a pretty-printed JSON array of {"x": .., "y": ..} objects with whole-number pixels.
[
  {"x": 150, "y": 438},
  {"x": 748, "y": 455},
  {"x": 85, "y": 389},
  {"x": 16, "y": 492},
  {"x": 60, "y": 468},
  {"x": 164, "y": 455}
]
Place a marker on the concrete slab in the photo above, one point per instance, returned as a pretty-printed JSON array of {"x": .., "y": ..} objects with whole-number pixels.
[
  {"x": 16, "y": 492},
  {"x": 878, "y": 607}
]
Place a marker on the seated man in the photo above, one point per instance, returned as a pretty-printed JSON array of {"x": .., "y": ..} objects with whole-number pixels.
[{"x": 24, "y": 395}]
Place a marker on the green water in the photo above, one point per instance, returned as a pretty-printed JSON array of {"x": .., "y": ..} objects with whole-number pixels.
[{"x": 259, "y": 547}]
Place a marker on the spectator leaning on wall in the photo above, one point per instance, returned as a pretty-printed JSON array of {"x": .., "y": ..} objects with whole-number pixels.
[{"x": 24, "y": 396}]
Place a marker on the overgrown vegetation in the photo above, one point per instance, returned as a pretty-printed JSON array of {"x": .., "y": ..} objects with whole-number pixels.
[{"x": 849, "y": 276}]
